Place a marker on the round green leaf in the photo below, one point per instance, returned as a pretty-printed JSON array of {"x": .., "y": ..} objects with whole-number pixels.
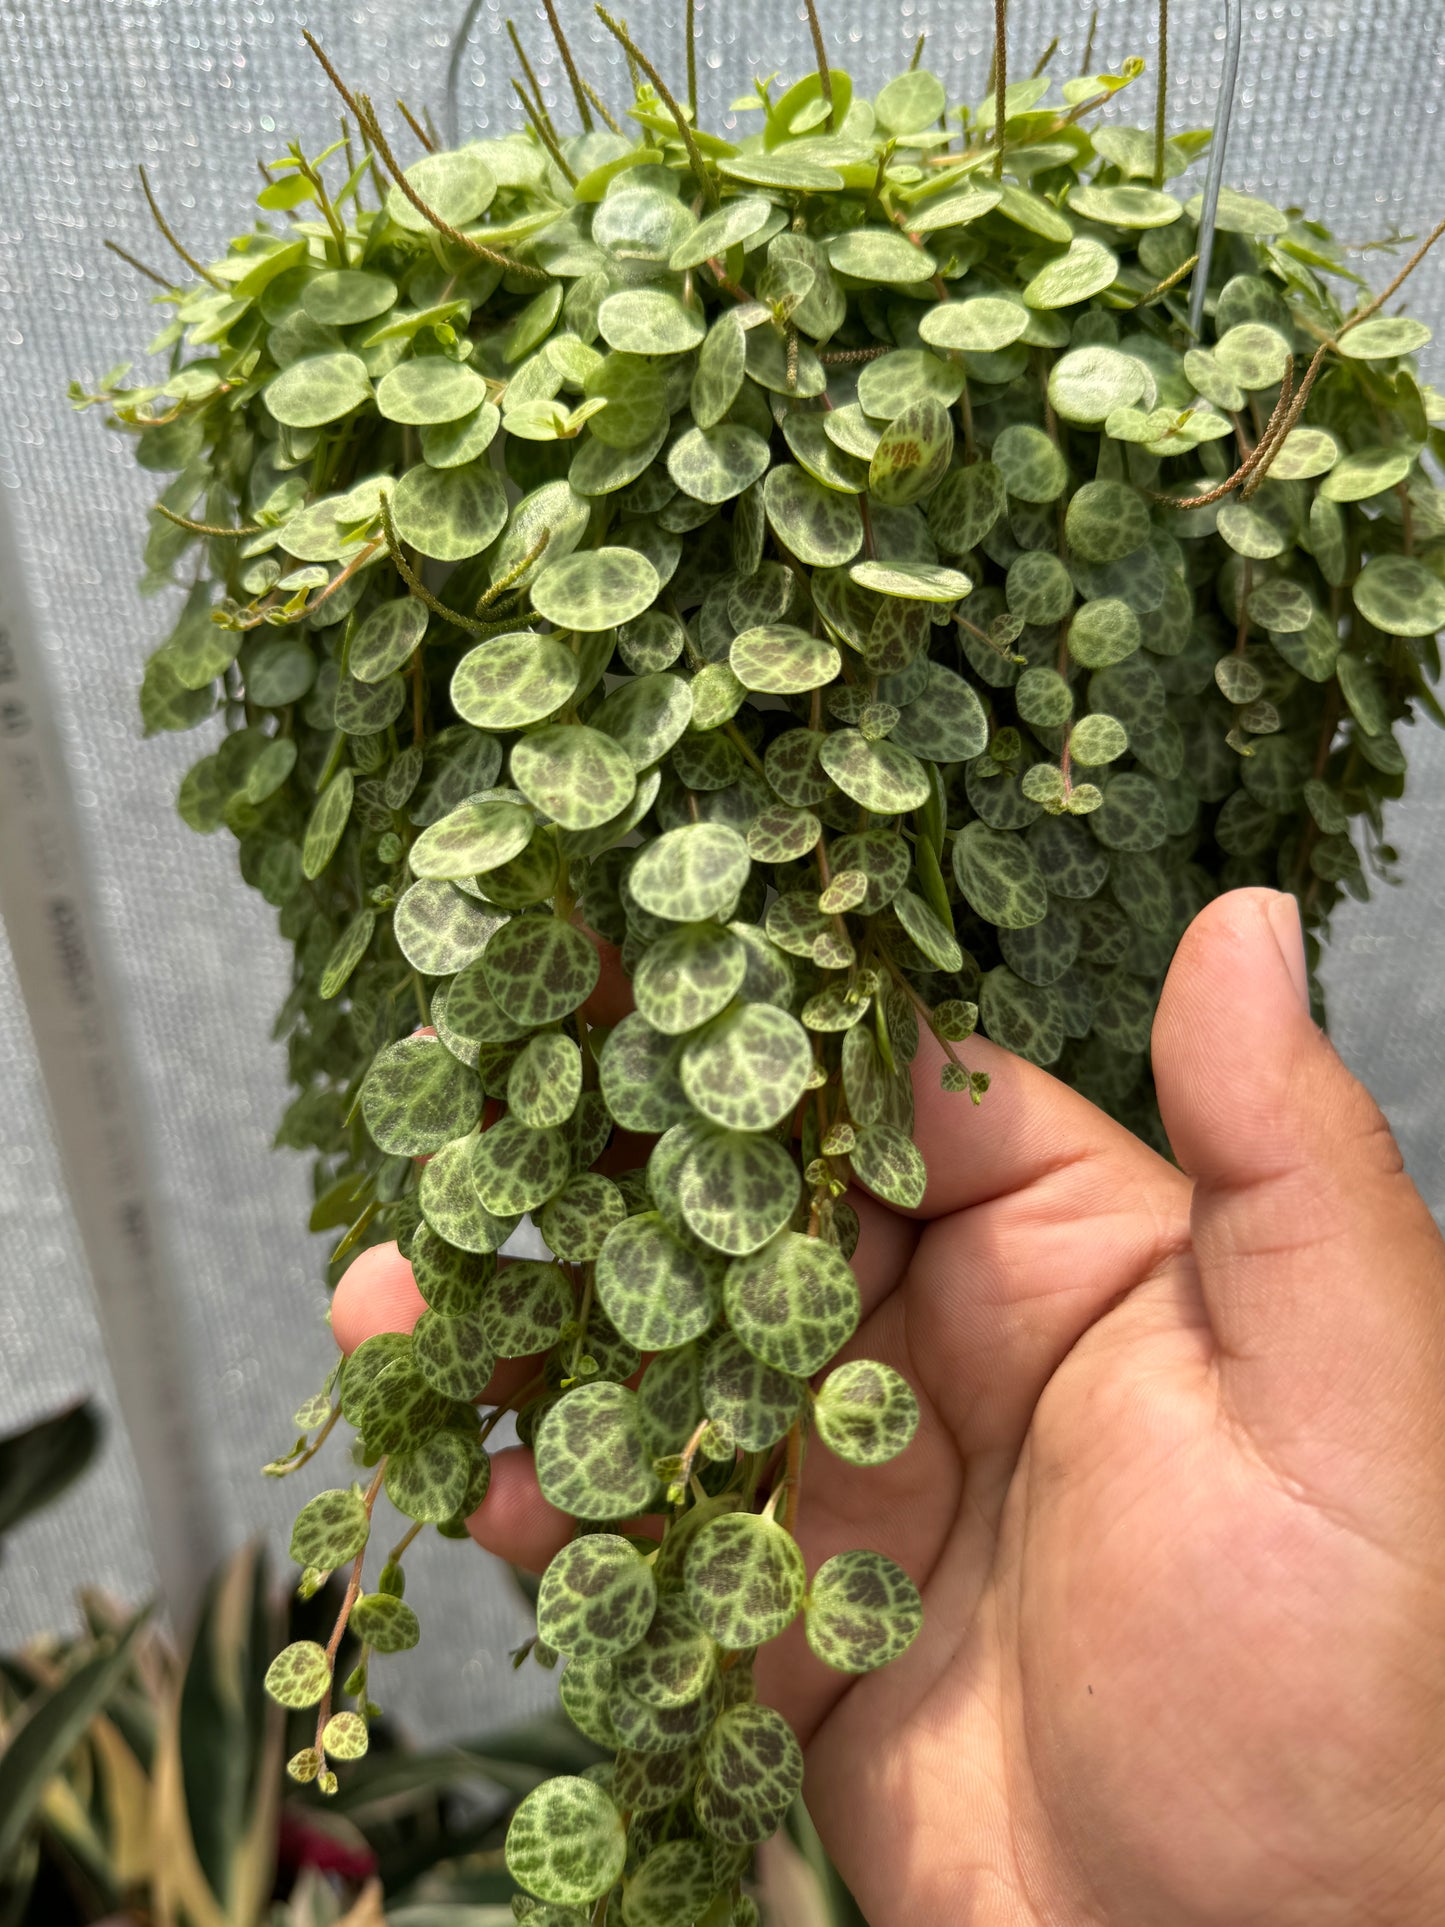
[
  {"x": 387, "y": 638},
  {"x": 1088, "y": 384},
  {"x": 328, "y": 820},
  {"x": 1304, "y": 453},
  {"x": 688, "y": 976},
  {"x": 545, "y": 1082},
  {"x": 793, "y": 1304},
  {"x": 317, "y": 389},
  {"x": 457, "y": 185},
  {"x": 525, "y": 1307},
  {"x": 748, "y": 1068},
  {"x": 1106, "y": 521},
  {"x": 782, "y": 660},
  {"x": 1400, "y": 596},
  {"x": 348, "y": 295},
  {"x": 818, "y": 525},
  {"x": 330, "y": 1529},
  {"x": 577, "y": 776},
  {"x": 1253, "y": 354},
  {"x": 913, "y": 453},
  {"x": 540, "y": 969},
  {"x": 1383, "y": 337},
  {"x": 1366, "y": 472},
  {"x": 516, "y": 1168},
  {"x": 592, "y": 1459},
  {"x": 454, "y": 1355},
  {"x": 745, "y": 1579},
  {"x": 675, "y": 1882},
  {"x": 998, "y": 876},
  {"x": 736, "y": 1190},
  {"x": 1023, "y": 1017},
  {"x": 511, "y": 680},
  {"x": 299, "y": 1675},
  {"x": 1103, "y": 632},
  {"x": 889, "y": 1164},
  {"x": 417, "y": 1097},
  {"x": 449, "y": 513},
  {"x": 690, "y": 873},
  {"x": 597, "y": 1597},
  {"x": 862, "y": 1612},
  {"x": 659, "y": 1292},
  {"x": 1086, "y": 270},
  {"x": 649, "y": 321},
  {"x": 866, "y": 1412},
  {"x": 715, "y": 464},
  {"x": 673, "y": 1662},
  {"x": 734, "y": 222},
  {"x": 429, "y": 1481},
  {"x": 595, "y": 589},
  {"x": 980, "y": 325},
  {"x": 880, "y": 776},
  {"x": 479, "y": 836},
  {"x": 428, "y": 390},
  {"x": 721, "y": 364},
  {"x": 1029, "y": 462},
  {"x": 384, "y": 1622},
  {"x": 440, "y": 930},
  {"x": 566, "y": 1842},
  {"x": 877, "y": 255},
  {"x": 1124, "y": 206}
]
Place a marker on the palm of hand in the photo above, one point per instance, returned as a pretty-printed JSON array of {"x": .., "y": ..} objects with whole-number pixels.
[
  {"x": 1175, "y": 1666},
  {"x": 1176, "y": 1503}
]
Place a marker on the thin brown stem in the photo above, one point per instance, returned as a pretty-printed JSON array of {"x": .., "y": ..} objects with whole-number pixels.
[
  {"x": 398, "y": 1551},
  {"x": 618, "y": 30},
  {"x": 1045, "y": 57},
  {"x": 820, "y": 54},
  {"x": 140, "y": 266},
  {"x": 207, "y": 528},
  {"x": 376, "y": 141},
  {"x": 1169, "y": 281},
  {"x": 353, "y": 1587},
  {"x": 419, "y": 589},
  {"x": 513, "y": 575},
  {"x": 161, "y": 222},
  {"x": 794, "y": 1475},
  {"x": 690, "y": 29},
  {"x": 316, "y": 1444},
  {"x": 1000, "y": 79},
  {"x": 532, "y": 80},
  {"x": 415, "y": 125},
  {"x": 583, "y": 109},
  {"x": 1161, "y": 93},
  {"x": 1088, "y": 59},
  {"x": 601, "y": 105},
  {"x": 544, "y": 135}
]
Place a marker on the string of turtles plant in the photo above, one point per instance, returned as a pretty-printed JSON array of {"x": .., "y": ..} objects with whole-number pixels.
[{"x": 822, "y": 564}]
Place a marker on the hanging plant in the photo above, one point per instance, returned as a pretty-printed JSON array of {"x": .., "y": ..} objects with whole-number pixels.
[{"x": 821, "y": 575}]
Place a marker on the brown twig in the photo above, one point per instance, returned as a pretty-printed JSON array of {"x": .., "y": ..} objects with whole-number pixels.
[
  {"x": 1000, "y": 79},
  {"x": 419, "y": 589},
  {"x": 207, "y": 528},
  {"x": 161, "y": 222},
  {"x": 544, "y": 135},
  {"x": 584, "y": 111},
  {"x": 526, "y": 67},
  {"x": 415, "y": 125},
  {"x": 820, "y": 54},
  {"x": 1161, "y": 94},
  {"x": 601, "y": 106},
  {"x": 690, "y": 30},
  {"x": 705, "y": 181},
  {"x": 376, "y": 140},
  {"x": 1169, "y": 281},
  {"x": 140, "y": 267}
]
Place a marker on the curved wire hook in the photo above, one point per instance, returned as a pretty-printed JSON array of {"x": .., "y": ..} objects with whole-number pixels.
[
  {"x": 1214, "y": 177},
  {"x": 454, "y": 68}
]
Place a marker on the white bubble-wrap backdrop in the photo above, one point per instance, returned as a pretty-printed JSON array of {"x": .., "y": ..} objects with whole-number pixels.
[{"x": 1341, "y": 108}]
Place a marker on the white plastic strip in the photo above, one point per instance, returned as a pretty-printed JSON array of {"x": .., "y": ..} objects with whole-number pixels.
[{"x": 47, "y": 905}]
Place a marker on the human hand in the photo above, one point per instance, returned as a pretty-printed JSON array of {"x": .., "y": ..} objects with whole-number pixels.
[{"x": 1176, "y": 1504}]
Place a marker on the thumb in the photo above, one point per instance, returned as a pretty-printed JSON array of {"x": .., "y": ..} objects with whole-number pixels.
[{"x": 1323, "y": 1275}]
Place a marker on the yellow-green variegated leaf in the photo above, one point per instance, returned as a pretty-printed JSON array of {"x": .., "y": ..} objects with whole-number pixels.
[
  {"x": 567, "y": 1842},
  {"x": 862, "y": 1611},
  {"x": 597, "y": 1597},
  {"x": 745, "y": 1579},
  {"x": 592, "y": 1459}
]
